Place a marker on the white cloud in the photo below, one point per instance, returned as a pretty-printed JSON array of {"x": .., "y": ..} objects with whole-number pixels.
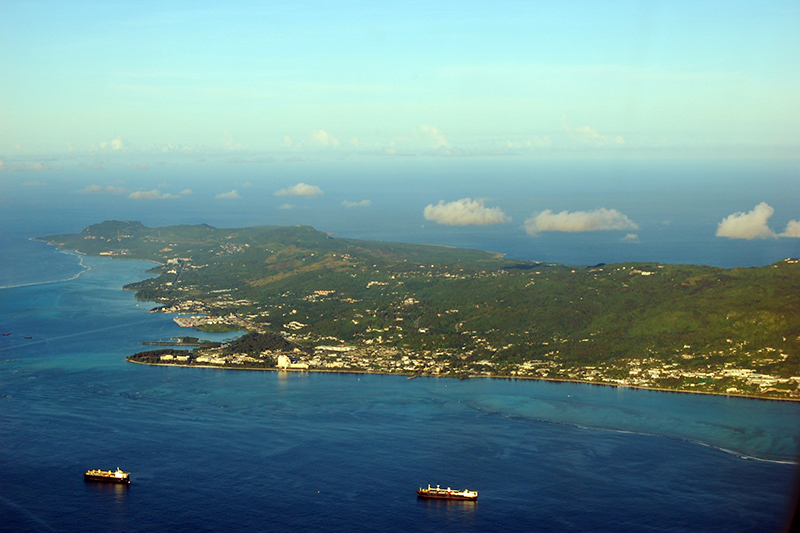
[
  {"x": 155, "y": 194},
  {"x": 464, "y": 212},
  {"x": 578, "y": 221},
  {"x": 450, "y": 151},
  {"x": 186, "y": 192},
  {"x": 362, "y": 203},
  {"x": 753, "y": 225},
  {"x": 324, "y": 138},
  {"x": 110, "y": 189},
  {"x": 287, "y": 142},
  {"x": 301, "y": 189},
  {"x": 589, "y": 135},
  {"x": 32, "y": 167},
  {"x": 630, "y": 237},
  {"x": 228, "y": 142},
  {"x": 532, "y": 143},
  {"x": 171, "y": 147},
  {"x": 586, "y": 134},
  {"x": 792, "y": 229},
  {"x": 433, "y": 136},
  {"x": 750, "y": 225},
  {"x": 114, "y": 144},
  {"x": 286, "y": 206},
  {"x": 143, "y": 166},
  {"x": 230, "y": 195},
  {"x": 396, "y": 152}
]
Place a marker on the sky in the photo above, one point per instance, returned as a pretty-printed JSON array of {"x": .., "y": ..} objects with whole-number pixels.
[
  {"x": 103, "y": 99},
  {"x": 401, "y": 78}
]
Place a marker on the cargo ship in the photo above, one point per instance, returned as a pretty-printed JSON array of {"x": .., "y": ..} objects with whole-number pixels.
[
  {"x": 108, "y": 476},
  {"x": 448, "y": 494}
]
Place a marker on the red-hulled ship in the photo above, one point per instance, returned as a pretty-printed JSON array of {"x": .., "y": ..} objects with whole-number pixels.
[
  {"x": 448, "y": 494},
  {"x": 108, "y": 476}
]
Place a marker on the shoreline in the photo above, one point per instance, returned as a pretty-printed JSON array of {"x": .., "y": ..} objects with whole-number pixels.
[
  {"x": 59, "y": 248},
  {"x": 748, "y": 390},
  {"x": 509, "y": 378}
]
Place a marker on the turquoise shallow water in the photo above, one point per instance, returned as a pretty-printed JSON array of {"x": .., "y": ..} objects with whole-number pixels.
[{"x": 214, "y": 450}]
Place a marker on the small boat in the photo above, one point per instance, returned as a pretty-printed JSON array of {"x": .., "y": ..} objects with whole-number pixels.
[
  {"x": 448, "y": 494},
  {"x": 108, "y": 476}
]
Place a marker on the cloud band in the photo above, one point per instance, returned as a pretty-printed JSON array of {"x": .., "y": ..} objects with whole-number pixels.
[
  {"x": 578, "y": 221},
  {"x": 464, "y": 212}
]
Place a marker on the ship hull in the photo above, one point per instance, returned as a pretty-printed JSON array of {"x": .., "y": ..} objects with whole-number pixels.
[
  {"x": 107, "y": 476},
  {"x": 440, "y": 496},
  {"x": 103, "y": 479}
]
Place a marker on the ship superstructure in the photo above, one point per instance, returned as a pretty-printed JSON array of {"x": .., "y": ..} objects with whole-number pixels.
[
  {"x": 108, "y": 476},
  {"x": 447, "y": 494}
]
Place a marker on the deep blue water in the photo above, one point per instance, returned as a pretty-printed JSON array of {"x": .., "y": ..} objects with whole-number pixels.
[{"x": 213, "y": 450}]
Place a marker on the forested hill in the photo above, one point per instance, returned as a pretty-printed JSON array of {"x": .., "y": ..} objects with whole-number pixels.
[
  {"x": 133, "y": 240},
  {"x": 487, "y": 313}
]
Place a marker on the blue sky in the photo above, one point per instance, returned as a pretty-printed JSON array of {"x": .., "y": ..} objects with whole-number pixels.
[
  {"x": 451, "y": 115},
  {"x": 151, "y": 80}
]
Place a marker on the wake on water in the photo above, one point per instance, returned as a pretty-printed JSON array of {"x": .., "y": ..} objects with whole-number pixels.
[
  {"x": 579, "y": 425},
  {"x": 84, "y": 269}
]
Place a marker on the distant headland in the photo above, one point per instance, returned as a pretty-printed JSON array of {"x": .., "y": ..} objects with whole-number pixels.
[{"x": 312, "y": 302}]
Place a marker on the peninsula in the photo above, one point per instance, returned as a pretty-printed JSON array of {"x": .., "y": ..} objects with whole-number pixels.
[{"x": 309, "y": 301}]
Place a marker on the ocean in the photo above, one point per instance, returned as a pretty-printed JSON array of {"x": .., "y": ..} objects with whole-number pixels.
[
  {"x": 676, "y": 205},
  {"x": 213, "y": 450}
]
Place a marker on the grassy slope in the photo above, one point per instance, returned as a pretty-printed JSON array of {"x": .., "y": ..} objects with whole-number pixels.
[{"x": 474, "y": 301}]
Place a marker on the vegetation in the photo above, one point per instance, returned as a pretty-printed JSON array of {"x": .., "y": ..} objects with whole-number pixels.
[
  {"x": 477, "y": 310},
  {"x": 258, "y": 343},
  {"x": 154, "y": 356}
]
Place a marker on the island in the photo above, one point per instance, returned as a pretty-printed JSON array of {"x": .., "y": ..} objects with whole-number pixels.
[{"x": 308, "y": 301}]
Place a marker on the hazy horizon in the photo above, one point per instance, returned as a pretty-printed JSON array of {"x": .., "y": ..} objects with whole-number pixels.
[
  {"x": 152, "y": 81},
  {"x": 624, "y": 129}
]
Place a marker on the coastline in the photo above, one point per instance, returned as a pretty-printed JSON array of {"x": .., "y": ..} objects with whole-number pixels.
[
  {"x": 59, "y": 247},
  {"x": 508, "y": 378},
  {"x": 646, "y": 373}
]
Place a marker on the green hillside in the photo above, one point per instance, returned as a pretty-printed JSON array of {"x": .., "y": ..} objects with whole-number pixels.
[{"x": 641, "y": 324}]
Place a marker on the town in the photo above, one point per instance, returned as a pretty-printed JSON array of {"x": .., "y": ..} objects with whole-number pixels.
[
  {"x": 325, "y": 304},
  {"x": 374, "y": 357}
]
